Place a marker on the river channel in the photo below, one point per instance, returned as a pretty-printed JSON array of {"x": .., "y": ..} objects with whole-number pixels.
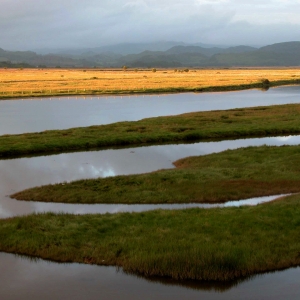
[
  {"x": 39, "y": 114},
  {"x": 23, "y": 278}
]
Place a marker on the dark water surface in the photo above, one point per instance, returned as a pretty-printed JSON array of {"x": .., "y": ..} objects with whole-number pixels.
[
  {"x": 25, "y": 279},
  {"x": 32, "y": 115}
]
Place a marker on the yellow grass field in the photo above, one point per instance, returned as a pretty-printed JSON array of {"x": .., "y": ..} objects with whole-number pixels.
[{"x": 16, "y": 83}]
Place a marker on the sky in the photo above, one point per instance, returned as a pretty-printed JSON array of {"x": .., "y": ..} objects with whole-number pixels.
[{"x": 34, "y": 24}]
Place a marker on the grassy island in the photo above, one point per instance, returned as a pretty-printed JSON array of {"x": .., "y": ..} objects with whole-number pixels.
[
  {"x": 212, "y": 244},
  {"x": 232, "y": 174},
  {"x": 234, "y": 123}
]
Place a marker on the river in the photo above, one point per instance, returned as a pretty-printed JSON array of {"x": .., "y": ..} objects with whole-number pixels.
[{"x": 23, "y": 278}]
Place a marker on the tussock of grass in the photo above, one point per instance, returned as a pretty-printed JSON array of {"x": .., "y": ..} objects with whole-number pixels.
[
  {"x": 235, "y": 123},
  {"x": 230, "y": 175},
  {"x": 215, "y": 244}
]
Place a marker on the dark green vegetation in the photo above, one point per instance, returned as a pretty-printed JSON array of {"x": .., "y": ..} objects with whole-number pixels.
[
  {"x": 214, "y": 244},
  {"x": 8, "y": 64},
  {"x": 229, "y": 175},
  {"x": 170, "y": 55},
  {"x": 236, "y": 123},
  {"x": 31, "y": 58}
]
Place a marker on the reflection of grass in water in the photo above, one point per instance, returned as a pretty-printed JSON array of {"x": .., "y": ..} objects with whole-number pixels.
[
  {"x": 230, "y": 175},
  {"x": 236, "y": 123},
  {"x": 198, "y": 244},
  {"x": 218, "y": 286}
]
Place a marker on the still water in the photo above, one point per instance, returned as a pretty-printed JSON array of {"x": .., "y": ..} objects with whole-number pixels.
[
  {"x": 39, "y": 114},
  {"x": 22, "y": 278},
  {"x": 19, "y": 174},
  {"x": 35, "y": 280}
]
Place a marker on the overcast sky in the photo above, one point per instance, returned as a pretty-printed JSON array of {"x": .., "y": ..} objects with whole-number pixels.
[{"x": 30, "y": 24}]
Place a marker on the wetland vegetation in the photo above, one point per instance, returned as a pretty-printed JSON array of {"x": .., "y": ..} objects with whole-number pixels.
[
  {"x": 229, "y": 175},
  {"x": 219, "y": 244},
  {"x": 22, "y": 83},
  {"x": 202, "y": 244},
  {"x": 234, "y": 123},
  {"x": 214, "y": 244}
]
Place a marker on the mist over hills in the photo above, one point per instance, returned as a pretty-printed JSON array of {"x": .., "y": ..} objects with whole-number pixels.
[{"x": 160, "y": 54}]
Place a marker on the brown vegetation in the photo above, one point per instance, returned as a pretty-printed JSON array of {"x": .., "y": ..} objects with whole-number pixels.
[{"x": 37, "y": 82}]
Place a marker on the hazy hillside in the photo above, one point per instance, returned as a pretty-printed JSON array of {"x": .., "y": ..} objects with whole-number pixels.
[
  {"x": 280, "y": 54},
  {"x": 257, "y": 58},
  {"x": 287, "y": 47},
  {"x": 49, "y": 60},
  {"x": 121, "y": 49},
  {"x": 209, "y": 51}
]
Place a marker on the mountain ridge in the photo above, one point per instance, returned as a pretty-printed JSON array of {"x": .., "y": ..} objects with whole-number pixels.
[{"x": 279, "y": 54}]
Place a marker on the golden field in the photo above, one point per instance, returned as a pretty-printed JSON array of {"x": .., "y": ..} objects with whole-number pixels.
[{"x": 36, "y": 82}]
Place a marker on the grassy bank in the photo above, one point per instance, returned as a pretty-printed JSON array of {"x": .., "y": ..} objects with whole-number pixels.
[
  {"x": 22, "y": 83},
  {"x": 236, "y": 123},
  {"x": 229, "y": 175},
  {"x": 6, "y": 95},
  {"x": 215, "y": 244}
]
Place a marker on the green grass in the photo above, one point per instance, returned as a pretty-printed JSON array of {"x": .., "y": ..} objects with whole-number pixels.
[
  {"x": 236, "y": 123},
  {"x": 229, "y": 175},
  {"x": 214, "y": 244}
]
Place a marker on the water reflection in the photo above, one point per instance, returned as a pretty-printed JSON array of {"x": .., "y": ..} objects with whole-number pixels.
[
  {"x": 40, "y": 279},
  {"x": 19, "y": 174},
  {"x": 31, "y": 115}
]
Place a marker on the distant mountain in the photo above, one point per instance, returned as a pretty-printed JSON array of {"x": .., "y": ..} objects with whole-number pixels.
[
  {"x": 49, "y": 60},
  {"x": 280, "y": 54},
  {"x": 8, "y": 64},
  {"x": 287, "y": 47},
  {"x": 239, "y": 49},
  {"x": 121, "y": 49},
  {"x": 209, "y": 51}
]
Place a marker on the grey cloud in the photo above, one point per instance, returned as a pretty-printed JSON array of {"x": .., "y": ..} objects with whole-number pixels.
[{"x": 68, "y": 23}]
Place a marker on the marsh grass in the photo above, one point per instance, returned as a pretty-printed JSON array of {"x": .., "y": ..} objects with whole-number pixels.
[
  {"x": 212, "y": 244},
  {"x": 229, "y": 175},
  {"x": 235, "y": 123},
  {"x": 16, "y": 83}
]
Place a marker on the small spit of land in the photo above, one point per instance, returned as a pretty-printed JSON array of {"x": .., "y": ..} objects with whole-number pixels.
[
  {"x": 235, "y": 123},
  {"x": 229, "y": 175},
  {"x": 214, "y": 244},
  {"x": 21, "y": 83}
]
